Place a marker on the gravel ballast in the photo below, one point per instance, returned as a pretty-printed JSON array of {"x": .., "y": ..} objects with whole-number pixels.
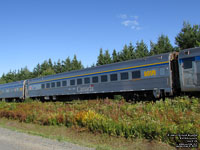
[{"x": 13, "y": 140}]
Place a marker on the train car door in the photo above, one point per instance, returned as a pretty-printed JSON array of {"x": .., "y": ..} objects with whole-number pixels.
[
  {"x": 188, "y": 72},
  {"x": 198, "y": 71},
  {"x": 25, "y": 89}
]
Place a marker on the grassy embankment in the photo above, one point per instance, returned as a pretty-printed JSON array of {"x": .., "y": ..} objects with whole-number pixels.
[{"x": 143, "y": 120}]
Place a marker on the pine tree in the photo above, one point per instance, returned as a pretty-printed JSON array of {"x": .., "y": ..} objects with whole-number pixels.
[
  {"x": 132, "y": 51},
  {"x": 37, "y": 71},
  {"x": 44, "y": 66},
  {"x": 93, "y": 65},
  {"x": 141, "y": 49},
  {"x": 107, "y": 58},
  {"x": 48, "y": 71},
  {"x": 58, "y": 67},
  {"x": 125, "y": 54},
  {"x": 115, "y": 56},
  {"x": 67, "y": 64},
  {"x": 25, "y": 73},
  {"x": 50, "y": 64},
  {"x": 188, "y": 37},
  {"x": 76, "y": 65},
  {"x": 100, "y": 59},
  {"x": 163, "y": 45}
]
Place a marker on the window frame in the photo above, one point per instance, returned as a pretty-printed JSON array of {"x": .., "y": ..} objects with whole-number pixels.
[
  {"x": 188, "y": 63},
  {"x": 53, "y": 83},
  {"x": 47, "y": 85},
  {"x": 124, "y": 73},
  {"x": 79, "y": 81},
  {"x": 72, "y": 81},
  {"x": 43, "y": 86},
  {"x": 64, "y": 81},
  {"x": 86, "y": 80},
  {"x": 136, "y": 71},
  {"x": 95, "y": 77},
  {"x": 57, "y": 84},
  {"x": 103, "y": 81},
  {"x": 111, "y": 77}
]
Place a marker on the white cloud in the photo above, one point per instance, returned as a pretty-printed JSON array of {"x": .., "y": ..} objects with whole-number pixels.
[
  {"x": 135, "y": 17},
  {"x": 130, "y": 21},
  {"x": 123, "y": 16},
  {"x": 136, "y": 27}
]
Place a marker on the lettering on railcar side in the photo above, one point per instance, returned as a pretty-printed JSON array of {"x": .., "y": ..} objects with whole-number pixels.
[
  {"x": 85, "y": 89},
  {"x": 150, "y": 73}
]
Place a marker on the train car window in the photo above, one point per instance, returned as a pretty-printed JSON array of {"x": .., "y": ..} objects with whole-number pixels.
[
  {"x": 47, "y": 85},
  {"x": 64, "y": 83},
  {"x": 79, "y": 81},
  {"x": 42, "y": 86},
  {"x": 136, "y": 74},
  {"x": 72, "y": 82},
  {"x": 53, "y": 84},
  {"x": 187, "y": 63},
  {"x": 124, "y": 75},
  {"x": 104, "y": 78},
  {"x": 86, "y": 80},
  {"x": 95, "y": 79},
  {"x": 58, "y": 84},
  {"x": 113, "y": 77}
]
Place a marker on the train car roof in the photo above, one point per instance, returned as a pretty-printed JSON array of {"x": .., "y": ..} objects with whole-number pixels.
[
  {"x": 190, "y": 52},
  {"x": 12, "y": 83}
]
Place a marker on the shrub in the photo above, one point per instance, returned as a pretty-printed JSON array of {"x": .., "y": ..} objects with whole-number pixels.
[{"x": 117, "y": 118}]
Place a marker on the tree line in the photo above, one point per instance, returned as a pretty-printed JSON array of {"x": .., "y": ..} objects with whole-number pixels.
[
  {"x": 188, "y": 37},
  {"x": 43, "y": 69}
]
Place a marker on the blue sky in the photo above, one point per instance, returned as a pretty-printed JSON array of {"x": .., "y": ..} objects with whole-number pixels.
[{"x": 32, "y": 31}]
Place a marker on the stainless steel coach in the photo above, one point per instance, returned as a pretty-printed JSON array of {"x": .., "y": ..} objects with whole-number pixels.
[{"x": 164, "y": 74}]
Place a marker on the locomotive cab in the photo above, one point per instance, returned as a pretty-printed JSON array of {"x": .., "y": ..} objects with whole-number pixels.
[{"x": 189, "y": 69}]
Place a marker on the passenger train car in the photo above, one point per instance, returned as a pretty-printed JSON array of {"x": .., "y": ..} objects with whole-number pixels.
[{"x": 159, "y": 75}]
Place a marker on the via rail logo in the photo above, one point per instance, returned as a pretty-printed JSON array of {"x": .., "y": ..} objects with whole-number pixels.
[{"x": 150, "y": 73}]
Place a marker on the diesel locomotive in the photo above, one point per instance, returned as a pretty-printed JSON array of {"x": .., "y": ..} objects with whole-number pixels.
[{"x": 160, "y": 75}]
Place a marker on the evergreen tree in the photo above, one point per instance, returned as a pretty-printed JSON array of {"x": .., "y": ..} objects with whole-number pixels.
[
  {"x": 188, "y": 37},
  {"x": 93, "y": 65},
  {"x": 50, "y": 64},
  {"x": 125, "y": 54},
  {"x": 9, "y": 77},
  {"x": 48, "y": 71},
  {"x": 163, "y": 45},
  {"x": 76, "y": 65},
  {"x": 2, "y": 79},
  {"x": 141, "y": 50},
  {"x": 37, "y": 71},
  {"x": 67, "y": 64},
  {"x": 44, "y": 66},
  {"x": 100, "y": 59},
  {"x": 107, "y": 58},
  {"x": 132, "y": 51},
  {"x": 25, "y": 74},
  {"x": 58, "y": 67},
  {"x": 115, "y": 56}
]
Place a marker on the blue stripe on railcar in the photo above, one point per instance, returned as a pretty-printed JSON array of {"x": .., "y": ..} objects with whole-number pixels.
[{"x": 196, "y": 58}]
